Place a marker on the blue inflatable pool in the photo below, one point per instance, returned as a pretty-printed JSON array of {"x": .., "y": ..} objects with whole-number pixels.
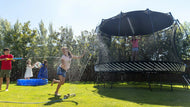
[{"x": 32, "y": 82}]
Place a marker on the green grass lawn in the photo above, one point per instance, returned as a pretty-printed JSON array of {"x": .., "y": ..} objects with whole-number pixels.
[{"x": 89, "y": 95}]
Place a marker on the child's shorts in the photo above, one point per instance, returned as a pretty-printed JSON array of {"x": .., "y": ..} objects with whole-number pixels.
[
  {"x": 135, "y": 49},
  {"x": 61, "y": 71},
  {"x": 5, "y": 73}
]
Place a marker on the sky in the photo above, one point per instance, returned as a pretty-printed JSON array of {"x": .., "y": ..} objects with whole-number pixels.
[{"x": 84, "y": 14}]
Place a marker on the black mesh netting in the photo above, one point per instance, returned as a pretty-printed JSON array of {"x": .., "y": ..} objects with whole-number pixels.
[{"x": 165, "y": 45}]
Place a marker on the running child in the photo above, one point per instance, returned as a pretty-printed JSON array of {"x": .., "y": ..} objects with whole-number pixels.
[{"x": 63, "y": 67}]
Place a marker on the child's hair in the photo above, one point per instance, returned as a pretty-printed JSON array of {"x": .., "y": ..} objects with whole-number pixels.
[
  {"x": 29, "y": 60},
  {"x": 69, "y": 53},
  {"x": 6, "y": 49},
  {"x": 45, "y": 62}
]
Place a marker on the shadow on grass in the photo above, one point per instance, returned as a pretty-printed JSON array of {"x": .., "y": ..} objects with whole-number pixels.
[
  {"x": 80, "y": 82},
  {"x": 142, "y": 95},
  {"x": 56, "y": 99},
  {"x": 2, "y": 90}
]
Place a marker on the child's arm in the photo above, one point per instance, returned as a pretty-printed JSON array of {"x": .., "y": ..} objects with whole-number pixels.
[
  {"x": 32, "y": 66},
  {"x": 41, "y": 65},
  {"x": 3, "y": 59},
  {"x": 13, "y": 58},
  {"x": 78, "y": 57},
  {"x": 140, "y": 37}
]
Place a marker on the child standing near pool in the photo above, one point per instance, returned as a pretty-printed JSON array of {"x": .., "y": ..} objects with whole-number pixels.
[
  {"x": 63, "y": 67},
  {"x": 29, "y": 67},
  {"x": 43, "y": 73},
  {"x": 6, "y": 67}
]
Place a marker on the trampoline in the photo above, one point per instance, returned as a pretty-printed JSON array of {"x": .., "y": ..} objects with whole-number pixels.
[
  {"x": 161, "y": 49},
  {"x": 32, "y": 82}
]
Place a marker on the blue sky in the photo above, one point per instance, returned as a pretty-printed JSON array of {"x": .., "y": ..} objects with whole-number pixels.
[{"x": 84, "y": 14}]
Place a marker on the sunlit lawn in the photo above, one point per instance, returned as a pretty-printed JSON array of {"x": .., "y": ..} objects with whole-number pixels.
[{"x": 89, "y": 95}]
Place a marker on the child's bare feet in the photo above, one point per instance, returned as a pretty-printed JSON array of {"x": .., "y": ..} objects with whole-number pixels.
[{"x": 52, "y": 82}]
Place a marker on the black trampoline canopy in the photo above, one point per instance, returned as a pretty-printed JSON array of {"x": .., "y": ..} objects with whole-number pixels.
[{"x": 133, "y": 23}]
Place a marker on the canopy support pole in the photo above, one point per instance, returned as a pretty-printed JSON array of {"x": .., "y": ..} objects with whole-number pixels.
[
  {"x": 130, "y": 24},
  {"x": 119, "y": 27},
  {"x": 148, "y": 11}
]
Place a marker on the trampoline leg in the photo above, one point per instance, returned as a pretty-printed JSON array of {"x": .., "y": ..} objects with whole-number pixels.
[
  {"x": 171, "y": 87},
  {"x": 122, "y": 77},
  {"x": 111, "y": 80},
  {"x": 104, "y": 81},
  {"x": 160, "y": 86},
  {"x": 149, "y": 82},
  {"x": 104, "y": 85},
  {"x": 98, "y": 83},
  {"x": 98, "y": 77},
  {"x": 95, "y": 80},
  {"x": 160, "y": 81},
  {"x": 149, "y": 86}
]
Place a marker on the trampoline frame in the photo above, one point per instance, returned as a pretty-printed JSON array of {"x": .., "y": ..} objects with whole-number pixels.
[{"x": 148, "y": 67}]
